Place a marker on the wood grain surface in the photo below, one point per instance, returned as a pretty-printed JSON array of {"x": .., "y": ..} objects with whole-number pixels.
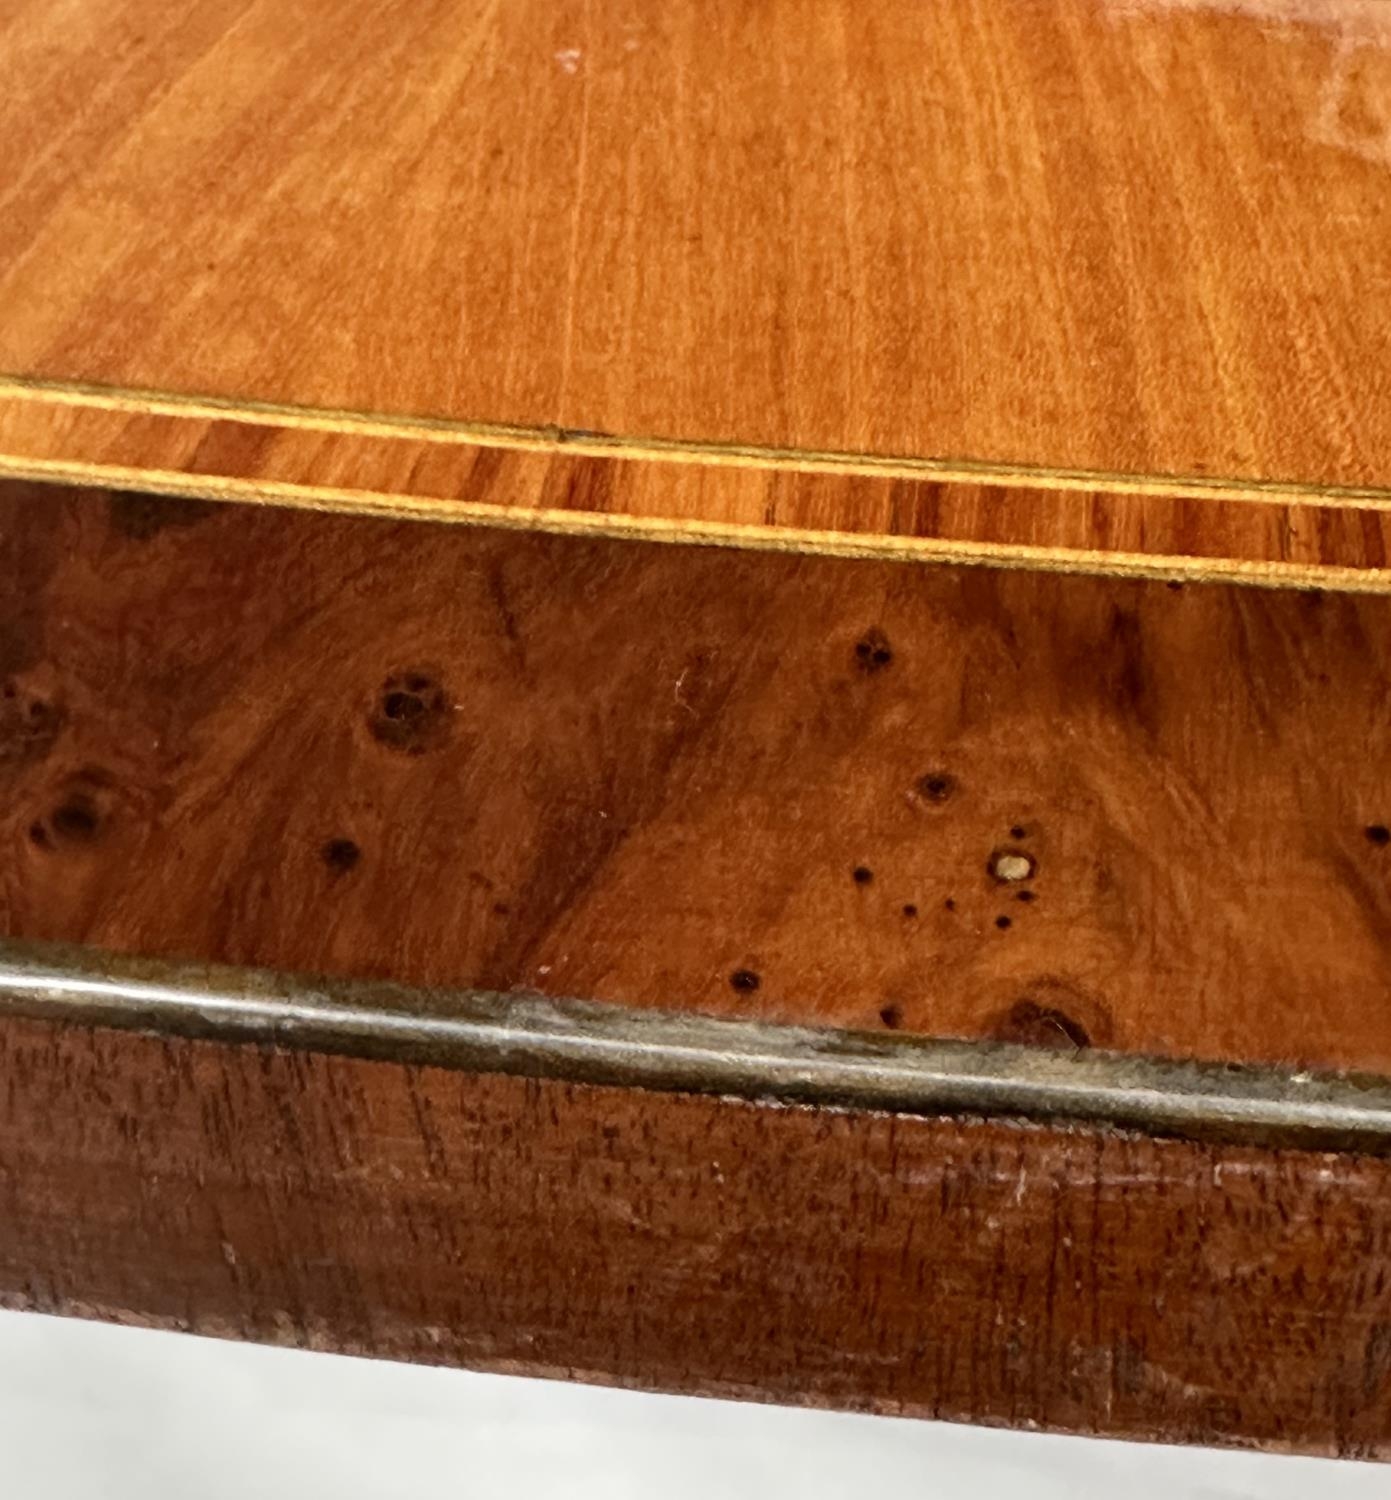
[
  {"x": 1006, "y": 1274},
  {"x": 1069, "y": 238},
  {"x": 1068, "y": 811},
  {"x": 579, "y": 486}
]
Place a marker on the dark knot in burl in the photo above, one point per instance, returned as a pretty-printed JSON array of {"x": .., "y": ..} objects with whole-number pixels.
[{"x": 411, "y": 713}]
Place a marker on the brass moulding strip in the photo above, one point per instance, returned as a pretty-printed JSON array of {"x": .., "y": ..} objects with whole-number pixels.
[{"x": 674, "y": 1052}]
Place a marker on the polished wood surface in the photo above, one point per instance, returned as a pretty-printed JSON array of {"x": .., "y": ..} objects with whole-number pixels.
[
  {"x": 1072, "y": 1279},
  {"x": 1075, "y": 285},
  {"x": 1069, "y": 811},
  {"x": 1052, "y": 239},
  {"x": 582, "y": 488}
]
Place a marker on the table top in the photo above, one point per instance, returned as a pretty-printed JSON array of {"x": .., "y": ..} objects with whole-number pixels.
[
  {"x": 1110, "y": 245},
  {"x": 1096, "y": 284}
]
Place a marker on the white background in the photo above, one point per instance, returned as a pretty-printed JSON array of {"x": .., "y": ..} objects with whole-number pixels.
[{"x": 89, "y": 1412}]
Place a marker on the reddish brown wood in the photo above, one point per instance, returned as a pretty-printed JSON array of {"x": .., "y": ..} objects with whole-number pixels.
[
  {"x": 989, "y": 243},
  {"x": 999, "y": 1273},
  {"x": 645, "y": 774},
  {"x": 695, "y": 778}
]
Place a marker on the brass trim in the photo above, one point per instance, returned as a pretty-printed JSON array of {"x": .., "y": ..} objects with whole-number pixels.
[{"x": 585, "y": 1042}]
